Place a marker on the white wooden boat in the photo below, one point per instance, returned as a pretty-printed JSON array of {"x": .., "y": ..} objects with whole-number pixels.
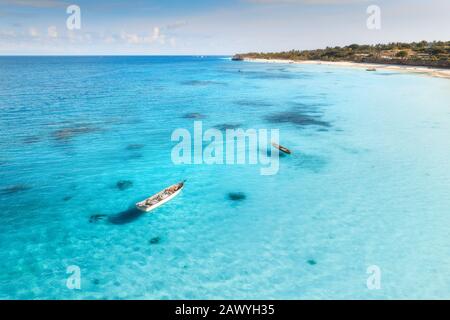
[
  {"x": 281, "y": 148},
  {"x": 160, "y": 198}
]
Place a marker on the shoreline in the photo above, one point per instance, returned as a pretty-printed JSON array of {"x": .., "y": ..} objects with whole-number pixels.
[{"x": 433, "y": 72}]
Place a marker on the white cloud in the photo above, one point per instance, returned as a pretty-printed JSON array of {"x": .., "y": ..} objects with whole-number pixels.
[
  {"x": 109, "y": 39},
  {"x": 33, "y": 32},
  {"x": 156, "y": 33},
  {"x": 130, "y": 38},
  {"x": 155, "y": 37},
  {"x": 176, "y": 25},
  {"x": 7, "y": 33},
  {"x": 52, "y": 32},
  {"x": 158, "y": 36}
]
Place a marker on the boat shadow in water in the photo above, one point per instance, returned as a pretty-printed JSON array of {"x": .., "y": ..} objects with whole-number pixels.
[{"x": 125, "y": 217}]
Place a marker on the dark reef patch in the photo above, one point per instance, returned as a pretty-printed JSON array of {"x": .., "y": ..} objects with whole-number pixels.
[
  {"x": 252, "y": 103},
  {"x": 236, "y": 196},
  {"x": 31, "y": 140},
  {"x": 135, "y": 156},
  {"x": 297, "y": 117},
  {"x": 312, "y": 262},
  {"x": 126, "y": 216},
  {"x": 351, "y": 150},
  {"x": 124, "y": 184},
  {"x": 69, "y": 133},
  {"x": 14, "y": 189},
  {"x": 67, "y": 198},
  {"x": 202, "y": 83},
  {"x": 386, "y": 74},
  {"x": 225, "y": 126},
  {"x": 135, "y": 146},
  {"x": 155, "y": 240},
  {"x": 193, "y": 115},
  {"x": 310, "y": 106},
  {"x": 267, "y": 75},
  {"x": 277, "y": 69},
  {"x": 97, "y": 217},
  {"x": 310, "y": 96}
]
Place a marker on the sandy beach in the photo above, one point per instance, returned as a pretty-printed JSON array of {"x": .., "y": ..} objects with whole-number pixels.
[{"x": 434, "y": 72}]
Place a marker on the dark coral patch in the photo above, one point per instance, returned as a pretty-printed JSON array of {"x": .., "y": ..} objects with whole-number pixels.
[
  {"x": 67, "y": 198},
  {"x": 135, "y": 156},
  {"x": 155, "y": 240},
  {"x": 124, "y": 185},
  {"x": 309, "y": 96},
  {"x": 311, "y": 262},
  {"x": 267, "y": 75},
  {"x": 225, "y": 126},
  {"x": 97, "y": 217},
  {"x": 67, "y": 134},
  {"x": 14, "y": 189},
  {"x": 252, "y": 103},
  {"x": 277, "y": 69},
  {"x": 237, "y": 196},
  {"x": 135, "y": 146},
  {"x": 386, "y": 74},
  {"x": 297, "y": 118},
  {"x": 193, "y": 115},
  {"x": 310, "y": 107},
  {"x": 31, "y": 140}
]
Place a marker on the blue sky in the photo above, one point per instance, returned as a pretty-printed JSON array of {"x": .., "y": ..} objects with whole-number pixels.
[{"x": 212, "y": 26}]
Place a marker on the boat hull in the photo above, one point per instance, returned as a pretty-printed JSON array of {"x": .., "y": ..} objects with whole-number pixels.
[
  {"x": 141, "y": 207},
  {"x": 281, "y": 148}
]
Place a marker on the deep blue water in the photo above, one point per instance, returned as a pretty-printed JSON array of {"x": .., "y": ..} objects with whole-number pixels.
[{"x": 83, "y": 138}]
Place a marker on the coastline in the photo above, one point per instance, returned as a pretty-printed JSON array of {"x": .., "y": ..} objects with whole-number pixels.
[{"x": 433, "y": 72}]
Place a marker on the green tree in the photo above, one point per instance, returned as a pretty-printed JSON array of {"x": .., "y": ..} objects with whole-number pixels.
[{"x": 402, "y": 54}]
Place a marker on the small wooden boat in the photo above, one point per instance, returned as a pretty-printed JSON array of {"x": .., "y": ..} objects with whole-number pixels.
[
  {"x": 371, "y": 69},
  {"x": 160, "y": 198},
  {"x": 281, "y": 148}
]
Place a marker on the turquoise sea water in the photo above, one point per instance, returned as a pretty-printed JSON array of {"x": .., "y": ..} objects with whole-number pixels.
[{"x": 83, "y": 138}]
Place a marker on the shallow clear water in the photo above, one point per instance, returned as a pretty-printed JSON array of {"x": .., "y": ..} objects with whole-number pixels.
[{"x": 368, "y": 182}]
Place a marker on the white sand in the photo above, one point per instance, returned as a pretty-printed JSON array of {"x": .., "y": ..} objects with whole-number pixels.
[{"x": 434, "y": 72}]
